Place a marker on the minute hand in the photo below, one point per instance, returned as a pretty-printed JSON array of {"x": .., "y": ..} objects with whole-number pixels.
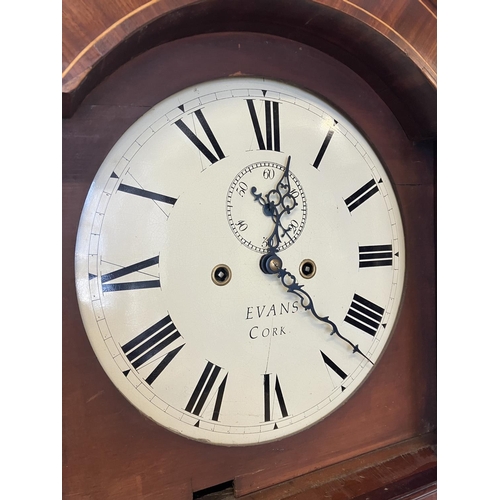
[
  {"x": 290, "y": 282},
  {"x": 277, "y": 202}
]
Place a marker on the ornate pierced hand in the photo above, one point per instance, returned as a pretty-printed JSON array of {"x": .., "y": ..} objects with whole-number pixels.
[
  {"x": 275, "y": 204},
  {"x": 290, "y": 282}
]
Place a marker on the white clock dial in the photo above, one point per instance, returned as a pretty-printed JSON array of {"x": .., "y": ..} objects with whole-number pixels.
[{"x": 173, "y": 299}]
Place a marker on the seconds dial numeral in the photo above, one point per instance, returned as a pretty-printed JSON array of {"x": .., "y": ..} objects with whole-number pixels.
[{"x": 125, "y": 271}]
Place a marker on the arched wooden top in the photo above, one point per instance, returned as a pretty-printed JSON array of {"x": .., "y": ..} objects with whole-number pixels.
[{"x": 381, "y": 39}]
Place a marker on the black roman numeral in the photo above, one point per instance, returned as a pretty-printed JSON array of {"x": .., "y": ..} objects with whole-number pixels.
[
  {"x": 267, "y": 398},
  {"x": 361, "y": 195},
  {"x": 364, "y": 315},
  {"x": 328, "y": 362},
  {"x": 375, "y": 255},
  {"x": 146, "y": 194},
  {"x": 151, "y": 342},
  {"x": 322, "y": 150},
  {"x": 132, "y": 285},
  {"x": 198, "y": 143},
  {"x": 203, "y": 389},
  {"x": 272, "y": 117}
]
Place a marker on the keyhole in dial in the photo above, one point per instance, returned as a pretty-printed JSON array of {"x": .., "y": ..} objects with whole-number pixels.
[
  {"x": 307, "y": 269},
  {"x": 221, "y": 275}
]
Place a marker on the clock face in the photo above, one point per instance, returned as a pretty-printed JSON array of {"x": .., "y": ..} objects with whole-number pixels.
[{"x": 168, "y": 261}]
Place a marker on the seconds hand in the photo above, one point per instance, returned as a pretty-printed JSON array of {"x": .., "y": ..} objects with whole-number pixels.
[
  {"x": 276, "y": 203},
  {"x": 279, "y": 197}
]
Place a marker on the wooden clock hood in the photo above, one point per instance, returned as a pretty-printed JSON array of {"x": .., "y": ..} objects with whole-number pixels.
[{"x": 376, "y": 61}]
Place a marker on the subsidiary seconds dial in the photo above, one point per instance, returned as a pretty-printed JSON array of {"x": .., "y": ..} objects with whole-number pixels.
[{"x": 246, "y": 222}]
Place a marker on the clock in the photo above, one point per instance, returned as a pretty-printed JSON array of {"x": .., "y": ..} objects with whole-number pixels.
[{"x": 240, "y": 261}]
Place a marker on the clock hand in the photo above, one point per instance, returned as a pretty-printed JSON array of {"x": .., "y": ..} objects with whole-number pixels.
[
  {"x": 290, "y": 282},
  {"x": 270, "y": 263},
  {"x": 275, "y": 204}
]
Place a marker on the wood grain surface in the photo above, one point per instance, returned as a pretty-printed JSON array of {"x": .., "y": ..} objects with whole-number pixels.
[
  {"x": 406, "y": 468},
  {"x": 392, "y": 45},
  {"x": 110, "y": 450},
  {"x": 91, "y": 27}
]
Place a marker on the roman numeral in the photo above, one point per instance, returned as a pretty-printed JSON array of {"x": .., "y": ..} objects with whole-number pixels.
[
  {"x": 198, "y": 143},
  {"x": 375, "y": 255},
  {"x": 267, "y": 398},
  {"x": 361, "y": 195},
  {"x": 132, "y": 285},
  {"x": 322, "y": 150},
  {"x": 204, "y": 388},
  {"x": 151, "y": 342},
  {"x": 272, "y": 118},
  {"x": 146, "y": 194},
  {"x": 364, "y": 315},
  {"x": 328, "y": 362}
]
